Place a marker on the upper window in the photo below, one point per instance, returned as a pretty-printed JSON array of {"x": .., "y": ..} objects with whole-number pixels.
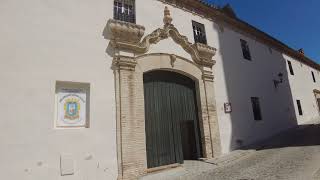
[
  {"x": 245, "y": 49},
  {"x": 290, "y": 68},
  {"x": 314, "y": 79},
  {"x": 199, "y": 33},
  {"x": 124, "y": 10},
  {"x": 256, "y": 108},
  {"x": 299, "y": 107}
]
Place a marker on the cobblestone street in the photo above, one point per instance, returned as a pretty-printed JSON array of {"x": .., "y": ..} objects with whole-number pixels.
[{"x": 294, "y": 155}]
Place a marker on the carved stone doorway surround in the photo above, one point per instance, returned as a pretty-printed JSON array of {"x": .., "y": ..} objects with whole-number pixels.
[{"x": 131, "y": 141}]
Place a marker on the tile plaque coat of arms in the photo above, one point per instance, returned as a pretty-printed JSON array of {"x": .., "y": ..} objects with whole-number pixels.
[{"x": 71, "y": 107}]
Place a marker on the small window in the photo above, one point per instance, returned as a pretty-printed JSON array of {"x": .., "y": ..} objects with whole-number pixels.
[
  {"x": 199, "y": 33},
  {"x": 256, "y": 108},
  {"x": 124, "y": 10},
  {"x": 299, "y": 108},
  {"x": 290, "y": 68},
  {"x": 245, "y": 50},
  {"x": 314, "y": 79}
]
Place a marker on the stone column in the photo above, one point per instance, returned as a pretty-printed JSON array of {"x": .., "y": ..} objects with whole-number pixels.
[
  {"x": 131, "y": 141},
  {"x": 208, "y": 80}
]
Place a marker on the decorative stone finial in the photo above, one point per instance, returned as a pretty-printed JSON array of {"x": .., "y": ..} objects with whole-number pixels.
[
  {"x": 167, "y": 18},
  {"x": 301, "y": 51}
]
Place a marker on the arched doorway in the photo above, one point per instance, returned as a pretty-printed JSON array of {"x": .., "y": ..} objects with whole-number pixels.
[
  {"x": 171, "y": 118},
  {"x": 129, "y": 71}
]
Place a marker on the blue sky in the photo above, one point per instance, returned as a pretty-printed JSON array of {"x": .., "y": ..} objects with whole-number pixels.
[{"x": 296, "y": 23}]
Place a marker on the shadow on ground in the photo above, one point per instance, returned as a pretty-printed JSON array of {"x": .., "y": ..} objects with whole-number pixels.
[
  {"x": 290, "y": 155},
  {"x": 303, "y": 135}
]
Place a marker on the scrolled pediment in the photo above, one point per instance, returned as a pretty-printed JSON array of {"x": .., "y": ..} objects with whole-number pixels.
[{"x": 127, "y": 37}]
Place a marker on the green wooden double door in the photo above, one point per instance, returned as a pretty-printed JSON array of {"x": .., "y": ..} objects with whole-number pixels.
[{"x": 171, "y": 115}]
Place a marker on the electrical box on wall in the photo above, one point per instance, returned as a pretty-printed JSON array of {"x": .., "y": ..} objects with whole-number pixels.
[
  {"x": 66, "y": 165},
  {"x": 227, "y": 107},
  {"x": 72, "y": 104}
]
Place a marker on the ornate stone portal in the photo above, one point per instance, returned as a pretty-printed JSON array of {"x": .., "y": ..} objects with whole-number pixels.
[{"x": 126, "y": 37}]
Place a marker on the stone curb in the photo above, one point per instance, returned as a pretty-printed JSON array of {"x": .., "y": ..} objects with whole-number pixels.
[{"x": 232, "y": 157}]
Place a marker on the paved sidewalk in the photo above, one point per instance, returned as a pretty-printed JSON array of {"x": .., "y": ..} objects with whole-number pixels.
[
  {"x": 294, "y": 155},
  {"x": 199, "y": 169}
]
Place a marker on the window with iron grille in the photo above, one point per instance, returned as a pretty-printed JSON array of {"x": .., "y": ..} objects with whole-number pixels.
[
  {"x": 299, "y": 107},
  {"x": 314, "y": 79},
  {"x": 124, "y": 10},
  {"x": 290, "y": 68},
  {"x": 199, "y": 33},
  {"x": 245, "y": 50},
  {"x": 256, "y": 108}
]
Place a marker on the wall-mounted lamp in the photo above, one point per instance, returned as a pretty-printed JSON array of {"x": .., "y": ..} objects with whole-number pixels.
[{"x": 277, "y": 82}]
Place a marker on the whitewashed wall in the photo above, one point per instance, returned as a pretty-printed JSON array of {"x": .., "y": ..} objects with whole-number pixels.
[
  {"x": 302, "y": 89},
  {"x": 237, "y": 80},
  {"x": 44, "y": 41}
]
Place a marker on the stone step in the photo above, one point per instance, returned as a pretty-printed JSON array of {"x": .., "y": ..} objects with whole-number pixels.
[{"x": 231, "y": 157}]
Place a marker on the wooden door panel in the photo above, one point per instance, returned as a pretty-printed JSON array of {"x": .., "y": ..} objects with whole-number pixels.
[{"x": 171, "y": 118}]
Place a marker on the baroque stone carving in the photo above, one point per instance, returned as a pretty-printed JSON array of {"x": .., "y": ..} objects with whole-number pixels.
[
  {"x": 167, "y": 17},
  {"x": 206, "y": 53},
  {"x": 316, "y": 91},
  {"x": 173, "y": 59},
  {"x": 125, "y": 32},
  {"x": 124, "y": 63},
  {"x": 126, "y": 36}
]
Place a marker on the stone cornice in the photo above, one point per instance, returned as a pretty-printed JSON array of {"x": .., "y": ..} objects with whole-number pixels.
[
  {"x": 207, "y": 76},
  {"x": 125, "y": 32},
  {"x": 316, "y": 91},
  {"x": 124, "y": 63},
  {"x": 213, "y": 13}
]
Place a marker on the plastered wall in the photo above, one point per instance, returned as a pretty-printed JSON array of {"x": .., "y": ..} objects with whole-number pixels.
[
  {"x": 302, "y": 89},
  {"x": 45, "y": 41}
]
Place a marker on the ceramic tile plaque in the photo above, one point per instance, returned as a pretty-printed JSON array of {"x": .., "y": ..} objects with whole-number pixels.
[
  {"x": 227, "y": 108},
  {"x": 72, "y": 107}
]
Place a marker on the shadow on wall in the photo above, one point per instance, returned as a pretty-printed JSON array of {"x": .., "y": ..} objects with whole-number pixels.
[
  {"x": 245, "y": 79},
  {"x": 303, "y": 135}
]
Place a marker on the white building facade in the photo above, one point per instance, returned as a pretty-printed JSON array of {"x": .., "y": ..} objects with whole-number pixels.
[{"x": 76, "y": 75}]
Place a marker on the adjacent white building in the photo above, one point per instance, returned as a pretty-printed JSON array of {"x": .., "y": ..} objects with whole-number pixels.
[{"x": 115, "y": 89}]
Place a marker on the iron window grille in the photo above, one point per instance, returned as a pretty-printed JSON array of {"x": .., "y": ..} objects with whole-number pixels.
[
  {"x": 290, "y": 68},
  {"x": 299, "y": 107},
  {"x": 124, "y": 10},
  {"x": 199, "y": 33},
  {"x": 245, "y": 50},
  {"x": 314, "y": 79},
  {"x": 256, "y": 108}
]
